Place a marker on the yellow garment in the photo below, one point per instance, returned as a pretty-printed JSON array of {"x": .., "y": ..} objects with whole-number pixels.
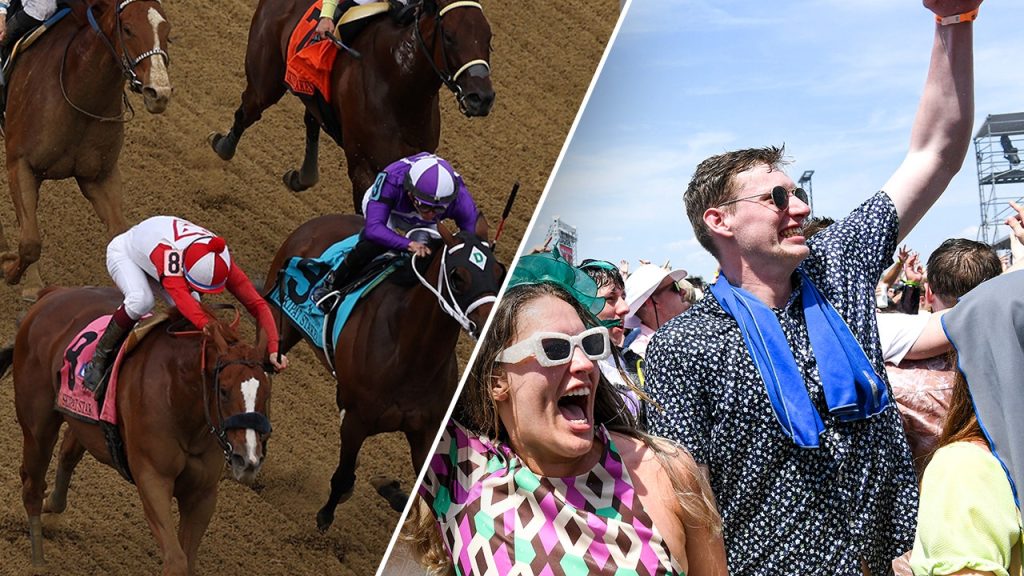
[
  {"x": 327, "y": 10},
  {"x": 967, "y": 518}
]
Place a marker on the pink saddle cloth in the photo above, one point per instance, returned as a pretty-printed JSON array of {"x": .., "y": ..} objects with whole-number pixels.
[{"x": 73, "y": 398}]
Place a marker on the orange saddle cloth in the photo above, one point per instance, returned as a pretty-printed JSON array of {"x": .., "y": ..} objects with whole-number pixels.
[{"x": 308, "y": 70}]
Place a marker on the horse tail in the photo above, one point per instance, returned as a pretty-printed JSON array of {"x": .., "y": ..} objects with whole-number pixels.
[{"x": 6, "y": 359}]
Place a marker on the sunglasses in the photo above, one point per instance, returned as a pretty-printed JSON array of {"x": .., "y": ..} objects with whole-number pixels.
[
  {"x": 554, "y": 349},
  {"x": 780, "y": 197}
]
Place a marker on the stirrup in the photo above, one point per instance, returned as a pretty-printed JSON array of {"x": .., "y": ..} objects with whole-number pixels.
[{"x": 328, "y": 301}]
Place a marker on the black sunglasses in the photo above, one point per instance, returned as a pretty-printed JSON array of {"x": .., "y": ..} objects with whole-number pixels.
[{"x": 780, "y": 197}]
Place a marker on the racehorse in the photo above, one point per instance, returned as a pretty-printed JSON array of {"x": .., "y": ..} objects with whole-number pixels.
[
  {"x": 186, "y": 401},
  {"x": 387, "y": 101},
  {"x": 394, "y": 362},
  {"x": 65, "y": 116}
]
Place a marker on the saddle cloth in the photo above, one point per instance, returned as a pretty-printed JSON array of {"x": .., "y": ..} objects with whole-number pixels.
[
  {"x": 73, "y": 398},
  {"x": 300, "y": 276},
  {"x": 308, "y": 69}
]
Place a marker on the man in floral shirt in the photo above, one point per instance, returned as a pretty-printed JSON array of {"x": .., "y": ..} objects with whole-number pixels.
[{"x": 775, "y": 381}]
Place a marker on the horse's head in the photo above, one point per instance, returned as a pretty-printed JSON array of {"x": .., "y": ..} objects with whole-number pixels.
[
  {"x": 238, "y": 403},
  {"x": 471, "y": 279},
  {"x": 142, "y": 30},
  {"x": 461, "y": 49}
]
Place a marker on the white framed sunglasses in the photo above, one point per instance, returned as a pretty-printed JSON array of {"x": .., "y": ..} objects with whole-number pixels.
[{"x": 554, "y": 348}]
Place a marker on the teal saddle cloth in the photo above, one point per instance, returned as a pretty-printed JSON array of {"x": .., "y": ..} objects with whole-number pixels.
[{"x": 300, "y": 276}]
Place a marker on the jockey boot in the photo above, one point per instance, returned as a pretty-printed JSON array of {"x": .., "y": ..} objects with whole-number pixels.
[
  {"x": 362, "y": 254},
  {"x": 108, "y": 344},
  {"x": 17, "y": 26}
]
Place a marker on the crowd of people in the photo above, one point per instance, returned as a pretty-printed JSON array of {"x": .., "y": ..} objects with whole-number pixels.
[{"x": 827, "y": 404}]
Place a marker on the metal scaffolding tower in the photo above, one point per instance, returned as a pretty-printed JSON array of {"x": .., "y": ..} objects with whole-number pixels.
[
  {"x": 1000, "y": 173},
  {"x": 563, "y": 239}
]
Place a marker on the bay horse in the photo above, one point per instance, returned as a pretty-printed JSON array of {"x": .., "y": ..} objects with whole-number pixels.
[
  {"x": 186, "y": 402},
  {"x": 394, "y": 363},
  {"x": 65, "y": 112},
  {"x": 386, "y": 101}
]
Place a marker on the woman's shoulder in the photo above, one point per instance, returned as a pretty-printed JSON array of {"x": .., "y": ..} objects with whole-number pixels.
[{"x": 651, "y": 460}]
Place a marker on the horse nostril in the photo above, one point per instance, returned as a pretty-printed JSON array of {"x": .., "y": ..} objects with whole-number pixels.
[
  {"x": 237, "y": 461},
  {"x": 149, "y": 93}
]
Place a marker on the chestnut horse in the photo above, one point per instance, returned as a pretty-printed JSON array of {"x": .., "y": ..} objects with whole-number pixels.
[
  {"x": 185, "y": 401},
  {"x": 65, "y": 112},
  {"x": 394, "y": 362},
  {"x": 387, "y": 101}
]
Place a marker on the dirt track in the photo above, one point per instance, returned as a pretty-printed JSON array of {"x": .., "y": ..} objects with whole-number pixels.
[{"x": 544, "y": 56}]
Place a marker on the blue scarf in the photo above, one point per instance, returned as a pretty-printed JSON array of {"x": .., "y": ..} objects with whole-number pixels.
[{"x": 853, "y": 390}]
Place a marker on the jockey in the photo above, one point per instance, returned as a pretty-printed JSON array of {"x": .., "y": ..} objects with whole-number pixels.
[
  {"x": 32, "y": 14},
  {"x": 330, "y": 9},
  {"x": 415, "y": 192},
  {"x": 186, "y": 260}
]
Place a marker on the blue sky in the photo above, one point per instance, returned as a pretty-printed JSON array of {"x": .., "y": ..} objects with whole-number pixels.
[{"x": 838, "y": 82}]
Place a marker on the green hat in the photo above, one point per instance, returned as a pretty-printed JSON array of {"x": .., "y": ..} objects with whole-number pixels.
[{"x": 549, "y": 268}]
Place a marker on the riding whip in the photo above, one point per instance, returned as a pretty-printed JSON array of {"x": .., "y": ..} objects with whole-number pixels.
[
  {"x": 508, "y": 208},
  {"x": 337, "y": 42}
]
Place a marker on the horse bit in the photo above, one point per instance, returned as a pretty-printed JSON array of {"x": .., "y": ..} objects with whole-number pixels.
[{"x": 449, "y": 80}]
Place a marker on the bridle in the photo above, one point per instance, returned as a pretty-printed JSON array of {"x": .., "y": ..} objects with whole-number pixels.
[
  {"x": 449, "y": 79},
  {"x": 219, "y": 425},
  {"x": 445, "y": 295},
  {"x": 125, "y": 60},
  {"x": 255, "y": 421},
  {"x": 128, "y": 63}
]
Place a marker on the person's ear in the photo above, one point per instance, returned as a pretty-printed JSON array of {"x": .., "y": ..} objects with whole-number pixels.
[
  {"x": 716, "y": 219},
  {"x": 499, "y": 387}
]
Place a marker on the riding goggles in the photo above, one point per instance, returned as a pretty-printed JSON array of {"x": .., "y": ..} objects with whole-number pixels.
[
  {"x": 554, "y": 349},
  {"x": 780, "y": 197}
]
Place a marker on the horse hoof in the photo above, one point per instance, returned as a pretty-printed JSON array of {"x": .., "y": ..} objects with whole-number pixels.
[
  {"x": 324, "y": 519},
  {"x": 51, "y": 507},
  {"x": 390, "y": 490},
  {"x": 12, "y": 268},
  {"x": 293, "y": 181},
  {"x": 215, "y": 141}
]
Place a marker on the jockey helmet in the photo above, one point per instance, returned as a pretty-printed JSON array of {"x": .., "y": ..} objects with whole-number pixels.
[
  {"x": 431, "y": 181},
  {"x": 206, "y": 263}
]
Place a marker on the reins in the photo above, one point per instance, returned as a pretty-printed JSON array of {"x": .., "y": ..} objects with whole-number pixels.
[
  {"x": 444, "y": 288},
  {"x": 124, "y": 60},
  {"x": 449, "y": 80},
  {"x": 219, "y": 428}
]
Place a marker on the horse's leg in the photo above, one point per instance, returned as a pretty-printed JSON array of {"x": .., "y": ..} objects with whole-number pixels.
[
  {"x": 71, "y": 452},
  {"x": 156, "y": 490},
  {"x": 105, "y": 196},
  {"x": 309, "y": 174},
  {"x": 264, "y": 71},
  {"x": 195, "y": 508},
  {"x": 344, "y": 478},
  {"x": 361, "y": 176},
  {"x": 40, "y": 427},
  {"x": 24, "y": 187}
]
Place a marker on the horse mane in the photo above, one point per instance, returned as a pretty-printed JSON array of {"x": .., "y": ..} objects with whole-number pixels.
[{"x": 216, "y": 327}]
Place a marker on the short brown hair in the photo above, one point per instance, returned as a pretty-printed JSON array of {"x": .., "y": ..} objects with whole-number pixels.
[
  {"x": 712, "y": 184},
  {"x": 958, "y": 265}
]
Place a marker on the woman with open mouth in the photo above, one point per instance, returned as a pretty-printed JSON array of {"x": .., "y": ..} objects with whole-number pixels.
[{"x": 542, "y": 470}]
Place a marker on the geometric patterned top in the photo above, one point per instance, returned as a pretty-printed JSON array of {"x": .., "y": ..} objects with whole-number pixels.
[{"x": 498, "y": 517}]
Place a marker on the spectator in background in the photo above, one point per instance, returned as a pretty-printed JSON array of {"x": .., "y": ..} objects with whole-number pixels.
[
  {"x": 611, "y": 287},
  {"x": 969, "y": 522},
  {"x": 654, "y": 298}
]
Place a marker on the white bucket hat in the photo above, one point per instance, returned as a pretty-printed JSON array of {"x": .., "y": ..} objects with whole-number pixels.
[{"x": 641, "y": 284}]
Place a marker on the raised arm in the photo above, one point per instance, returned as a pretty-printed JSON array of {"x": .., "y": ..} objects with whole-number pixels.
[{"x": 942, "y": 127}]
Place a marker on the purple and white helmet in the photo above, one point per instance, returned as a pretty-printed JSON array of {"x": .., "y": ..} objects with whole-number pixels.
[{"x": 431, "y": 181}]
